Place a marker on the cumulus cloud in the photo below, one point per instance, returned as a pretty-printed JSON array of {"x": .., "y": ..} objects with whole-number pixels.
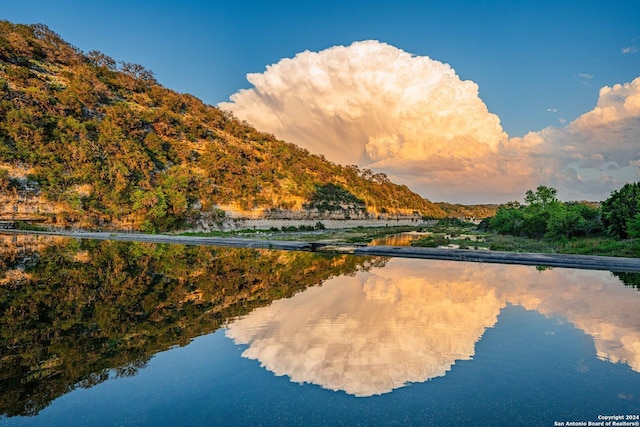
[
  {"x": 598, "y": 151},
  {"x": 370, "y": 334},
  {"x": 374, "y": 105},
  {"x": 412, "y": 117},
  {"x": 629, "y": 49}
]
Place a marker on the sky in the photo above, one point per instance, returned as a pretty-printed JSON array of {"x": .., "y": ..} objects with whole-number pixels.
[{"x": 462, "y": 101}]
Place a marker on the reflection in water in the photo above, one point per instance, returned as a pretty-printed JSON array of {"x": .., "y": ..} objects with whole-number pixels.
[
  {"x": 629, "y": 279},
  {"x": 369, "y": 334},
  {"x": 593, "y": 301},
  {"x": 73, "y": 314},
  {"x": 76, "y": 313},
  {"x": 400, "y": 239},
  {"x": 412, "y": 320}
]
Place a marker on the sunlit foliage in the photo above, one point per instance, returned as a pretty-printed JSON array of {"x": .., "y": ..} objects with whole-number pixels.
[{"x": 148, "y": 156}]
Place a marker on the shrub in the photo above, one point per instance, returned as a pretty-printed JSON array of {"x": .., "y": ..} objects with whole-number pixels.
[{"x": 620, "y": 212}]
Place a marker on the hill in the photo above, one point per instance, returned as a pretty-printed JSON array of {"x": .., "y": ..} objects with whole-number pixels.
[{"x": 89, "y": 142}]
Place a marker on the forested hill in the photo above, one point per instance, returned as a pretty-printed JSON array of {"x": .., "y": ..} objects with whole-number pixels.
[{"x": 94, "y": 141}]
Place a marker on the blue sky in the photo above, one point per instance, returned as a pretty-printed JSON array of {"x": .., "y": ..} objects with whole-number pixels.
[
  {"x": 526, "y": 57},
  {"x": 537, "y": 64}
]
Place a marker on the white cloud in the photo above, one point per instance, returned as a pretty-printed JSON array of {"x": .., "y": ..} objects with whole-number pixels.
[
  {"x": 413, "y": 118},
  {"x": 597, "y": 152},
  {"x": 374, "y": 105},
  {"x": 629, "y": 49},
  {"x": 585, "y": 76}
]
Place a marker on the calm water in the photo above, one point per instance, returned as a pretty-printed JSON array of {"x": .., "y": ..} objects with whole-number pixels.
[
  {"x": 113, "y": 333},
  {"x": 401, "y": 239}
]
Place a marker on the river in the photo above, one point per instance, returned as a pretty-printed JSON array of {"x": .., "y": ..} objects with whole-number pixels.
[{"x": 125, "y": 333}]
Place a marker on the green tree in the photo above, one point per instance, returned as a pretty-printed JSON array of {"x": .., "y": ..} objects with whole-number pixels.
[
  {"x": 544, "y": 196},
  {"x": 565, "y": 222},
  {"x": 545, "y": 216},
  {"x": 620, "y": 210},
  {"x": 507, "y": 221},
  {"x": 633, "y": 227}
]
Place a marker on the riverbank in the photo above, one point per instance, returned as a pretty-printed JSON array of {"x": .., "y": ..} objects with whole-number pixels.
[{"x": 618, "y": 264}]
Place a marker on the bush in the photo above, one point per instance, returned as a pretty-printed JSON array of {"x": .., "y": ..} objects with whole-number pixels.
[
  {"x": 431, "y": 242},
  {"x": 507, "y": 221},
  {"x": 620, "y": 212},
  {"x": 545, "y": 216}
]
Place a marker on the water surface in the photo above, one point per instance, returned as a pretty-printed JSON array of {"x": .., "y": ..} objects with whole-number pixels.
[{"x": 114, "y": 333}]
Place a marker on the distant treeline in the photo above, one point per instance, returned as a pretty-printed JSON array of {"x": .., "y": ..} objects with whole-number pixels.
[{"x": 543, "y": 215}]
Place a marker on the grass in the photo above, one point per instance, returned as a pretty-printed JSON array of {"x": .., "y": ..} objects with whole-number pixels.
[
  {"x": 346, "y": 235},
  {"x": 463, "y": 235},
  {"x": 367, "y": 234},
  {"x": 593, "y": 245},
  {"x": 433, "y": 241},
  {"x": 604, "y": 246},
  {"x": 29, "y": 226},
  {"x": 216, "y": 233}
]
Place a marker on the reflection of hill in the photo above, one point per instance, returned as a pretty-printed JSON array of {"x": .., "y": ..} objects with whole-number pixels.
[
  {"x": 80, "y": 309},
  {"x": 413, "y": 319},
  {"x": 18, "y": 252}
]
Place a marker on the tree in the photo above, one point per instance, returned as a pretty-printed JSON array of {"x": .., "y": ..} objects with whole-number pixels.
[
  {"x": 507, "y": 221},
  {"x": 619, "y": 211},
  {"x": 633, "y": 227},
  {"x": 545, "y": 216},
  {"x": 101, "y": 60},
  {"x": 566, "y": 222},
  {"x": 544, "y": 196}
]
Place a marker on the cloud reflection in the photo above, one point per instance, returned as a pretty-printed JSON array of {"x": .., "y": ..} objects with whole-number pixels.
[
  {"x": 369, "y": 334},
  {"x": 411, "y": 321}
]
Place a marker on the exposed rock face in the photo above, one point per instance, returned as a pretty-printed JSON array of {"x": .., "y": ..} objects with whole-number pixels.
[
  {"x": 24, "y": 206},
  {"x": 228, "y": 218}
]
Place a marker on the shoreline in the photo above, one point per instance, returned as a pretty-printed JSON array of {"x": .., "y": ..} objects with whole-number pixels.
[{"x": 587, "y": 262}]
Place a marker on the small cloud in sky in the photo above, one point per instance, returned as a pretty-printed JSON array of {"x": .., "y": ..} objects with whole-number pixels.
[
  {"x": 629, "y": 49},
  {"x": 413, "y": 118}
]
